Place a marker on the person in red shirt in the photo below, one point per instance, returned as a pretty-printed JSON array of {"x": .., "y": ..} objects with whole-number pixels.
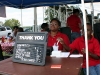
[
  {"x": 74, "y": 23},
  {"x": 54, "y": 35},
  {"x": 93, "y": 49}
]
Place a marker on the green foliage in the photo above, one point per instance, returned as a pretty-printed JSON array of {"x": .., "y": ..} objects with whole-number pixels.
[
  {"x": 11, "y": 23},
  {"x": 51, "y": 14}
]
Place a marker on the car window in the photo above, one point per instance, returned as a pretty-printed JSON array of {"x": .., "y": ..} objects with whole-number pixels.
[
  {"x": 2, "y": 29},
  {"x": 8, "y": 28}
]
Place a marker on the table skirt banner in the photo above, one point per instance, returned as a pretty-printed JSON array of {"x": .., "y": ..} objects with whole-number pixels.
[{"x": 7, "y": 47}]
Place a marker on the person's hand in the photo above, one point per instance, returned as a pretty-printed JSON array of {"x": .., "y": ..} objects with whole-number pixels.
[
  {"x": 60, "y": 40},
  {"x": 83, "y": 51}
]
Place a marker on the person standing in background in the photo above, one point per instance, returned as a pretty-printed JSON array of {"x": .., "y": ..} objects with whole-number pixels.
[
  {"x": 74, "y": 22},
  {"x": 8, "y": 37},
  {"x": 45, "y": 27},
  {"x": 20, "y": 29},
  {"x": 14, "y": 33}
]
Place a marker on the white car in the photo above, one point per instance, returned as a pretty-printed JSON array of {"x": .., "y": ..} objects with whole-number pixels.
[{"x": 4, "y": 30}]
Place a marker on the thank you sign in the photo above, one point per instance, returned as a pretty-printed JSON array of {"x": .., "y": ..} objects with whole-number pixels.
[
  {"x": 30, "y": 48},
  {"x": 36, "y": 37}
]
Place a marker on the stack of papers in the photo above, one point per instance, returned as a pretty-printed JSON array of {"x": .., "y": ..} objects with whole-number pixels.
[
  {"x": 64, "y": 54},
  {"x": 60, "y": 54},
  {"x": 76, "y": 55}
]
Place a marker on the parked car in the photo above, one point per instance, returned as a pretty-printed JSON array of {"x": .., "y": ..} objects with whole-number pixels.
[{"x": 4, "y": 30}]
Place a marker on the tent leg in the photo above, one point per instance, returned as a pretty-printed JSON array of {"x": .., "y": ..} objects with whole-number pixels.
[
  {"x": 35, "y": 19},
  {"x": 86, "y": 41},
  {"x": 21, "y": 18},
  {"x": 92, "y": 13}
]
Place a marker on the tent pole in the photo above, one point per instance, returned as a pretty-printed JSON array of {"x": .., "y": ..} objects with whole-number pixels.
[
  {"x": 21, "y": 14},
  {"x": 43, "y": 13},
  {"x": 60, "y": 13},
  {"x": 66, "y": 14},
  {"x": 44, "y": 8},
  {"x": 35, "y": 19},
  {"x": 49, "y": 14},
  {"x": 92, "y": 13},
  {"x": 54, "y": 11},
  {"x": 86, "y": 40},
  {"x": 21, "y": 18}
]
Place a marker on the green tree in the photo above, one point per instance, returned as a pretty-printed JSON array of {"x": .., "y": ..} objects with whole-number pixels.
[
  {"x": 50, "y": 15},
  {"x": 11, "y": 23}
]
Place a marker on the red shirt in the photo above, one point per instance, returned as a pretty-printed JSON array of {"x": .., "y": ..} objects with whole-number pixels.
[
  {"x": 93, "y": 47},
  {"x": 52, "y": 40},
  {"x": 73, "y": 22}
]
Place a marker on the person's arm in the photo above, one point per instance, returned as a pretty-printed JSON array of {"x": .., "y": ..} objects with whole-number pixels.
[
  {"x": 96, "y": 53},
  {"x": 94, "y": 56},
  {"x": 91, "y": 54},
  {"x": 67, "y": 46},
  {"x": 64, "y": 45}
]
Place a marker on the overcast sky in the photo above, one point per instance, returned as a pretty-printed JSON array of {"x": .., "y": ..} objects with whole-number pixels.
[{"x": 28, "y": 14}]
